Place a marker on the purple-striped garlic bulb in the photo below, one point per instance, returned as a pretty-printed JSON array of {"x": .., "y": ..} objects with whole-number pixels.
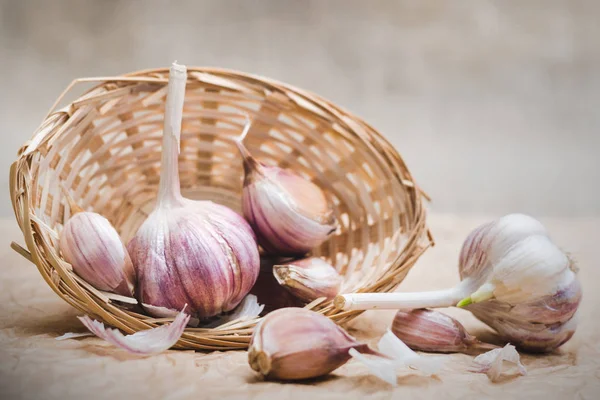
[
  {"x": 190, "y": 252},
  {"x": 94, "y": 249},
  {"x": 513, "y": 277},
  {"x": 289, "y": 214}
]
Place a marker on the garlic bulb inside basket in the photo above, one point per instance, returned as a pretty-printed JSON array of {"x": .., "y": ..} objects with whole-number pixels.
[{"x": 190, "y": 252}]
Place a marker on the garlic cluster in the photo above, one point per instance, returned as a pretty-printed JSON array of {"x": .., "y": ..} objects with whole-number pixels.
[
  {"x": 93, "y": 247},
  {"x": 296, "y": 344},
  {"x": 510, "y": 265},
  {"x": 289, "y": 214},
  {"x": 190, "y": 252},
  {"x": 434, "y": 331},
  {"x": 309, "y": 279}
]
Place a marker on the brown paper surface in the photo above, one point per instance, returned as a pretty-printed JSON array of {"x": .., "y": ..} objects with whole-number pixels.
[{"x": 33, "y": 365}]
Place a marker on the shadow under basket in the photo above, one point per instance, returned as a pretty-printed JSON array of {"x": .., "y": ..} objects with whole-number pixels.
[{"x": 104, "y": 147}]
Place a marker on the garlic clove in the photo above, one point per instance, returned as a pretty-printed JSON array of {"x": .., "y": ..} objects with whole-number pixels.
[
  {"x": 559, "y": 307},
  {"x": 309, "y": 278},
  {"x": 94, "y": 249},
  {"x": 147, "y": 342},
  {"x": 492, "y": 362},
  {"x": 268, "y": 291},
  {"x": 290, "y": 215},
  {"x": 434, "y": 331},
  {"x": 296, "y": 343}
]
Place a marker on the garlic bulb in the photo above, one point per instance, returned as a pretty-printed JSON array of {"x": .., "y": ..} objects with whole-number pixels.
[
  {"x": 296, "y": 344},
  {"x": 434, "y": 331},
  {"x": 289, "y": 214},
  {"x": 309, "y": 278},
  {"x": 190, "y": 252},
  {"x": 93, "y": 247},
  {"x": 512, "y": 263}
]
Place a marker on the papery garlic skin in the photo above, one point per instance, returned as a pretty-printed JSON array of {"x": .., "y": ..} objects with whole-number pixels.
[
  {"x": 434, "y": 331},
  {"x": 295, "y": 344},
  {"x": 491, "y": 363},
  {"x": 146, "y": 342},
  {"x": 309, "y": 278},
  {"x": 289, "y": 214},
  {"x": 190, "y": 252},
  {"x": 93, "y": 247}
]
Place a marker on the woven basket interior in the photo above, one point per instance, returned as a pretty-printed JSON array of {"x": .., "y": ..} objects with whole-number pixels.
[{"x": 105, "y": 148}]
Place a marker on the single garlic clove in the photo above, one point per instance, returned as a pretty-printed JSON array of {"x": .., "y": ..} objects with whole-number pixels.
[
  {"x": 93, "y": 247},
  {"x": 434, "y": 331},
  {"x": 295, "y": 343},
  {"x": 268, "y": 291},
  {"x": 309, "y": 278},
  {"x": 289, "y": 214}
]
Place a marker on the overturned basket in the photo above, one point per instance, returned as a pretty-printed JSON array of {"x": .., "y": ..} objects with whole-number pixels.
[{"x": 105, "y": 147}]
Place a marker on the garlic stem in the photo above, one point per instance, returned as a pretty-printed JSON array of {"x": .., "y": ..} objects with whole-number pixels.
[
  {"x": 406, "y": 301},
  {"x": 250, "y": 163},
  {"x": 169, "y": 191},
  {"x": 485, "y": 292},
  {"x": 75, "y": 208}
]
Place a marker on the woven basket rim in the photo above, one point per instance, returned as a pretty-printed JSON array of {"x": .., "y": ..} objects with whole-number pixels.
[{"x": 58, "y": 278}]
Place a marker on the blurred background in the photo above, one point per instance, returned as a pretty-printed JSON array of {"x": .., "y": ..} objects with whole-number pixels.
[{"x": 493, "y": 104}]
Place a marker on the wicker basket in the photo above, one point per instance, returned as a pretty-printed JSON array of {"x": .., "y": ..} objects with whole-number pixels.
[{"x": 105, "y": 147}]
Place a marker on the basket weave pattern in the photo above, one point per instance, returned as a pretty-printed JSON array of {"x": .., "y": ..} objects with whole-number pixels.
[{"x": 105, "y": 148}]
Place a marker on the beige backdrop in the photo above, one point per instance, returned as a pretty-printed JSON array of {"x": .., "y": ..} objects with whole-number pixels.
[{"x": 494, "y": 104}]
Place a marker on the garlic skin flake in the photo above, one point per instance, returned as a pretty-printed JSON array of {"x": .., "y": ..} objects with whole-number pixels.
[
  {"x": 296, "y": 344},
  {"x": 492, "y": 362},
  {"x": 289, "y": 214},
  {"x": 397, "y": 355},
  {"x": 434, "y": 331},
  {"x": 145, "y": 343},
  {"x": 93, "y": 247},
  {"x": 309, "y": 278},
  {"x": 190, "y": 252}
]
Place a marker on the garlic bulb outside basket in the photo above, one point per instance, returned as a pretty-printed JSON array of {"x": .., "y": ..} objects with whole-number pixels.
[{"x": 511, "y": 265}]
